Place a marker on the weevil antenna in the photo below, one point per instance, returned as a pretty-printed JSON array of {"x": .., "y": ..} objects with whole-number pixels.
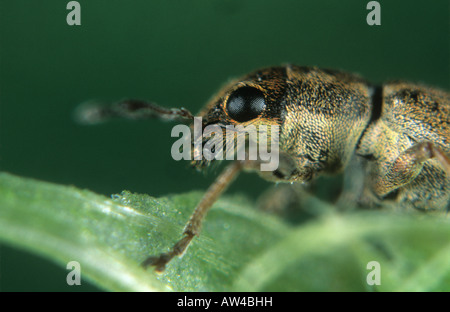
[{"x": 94, "y": 113}]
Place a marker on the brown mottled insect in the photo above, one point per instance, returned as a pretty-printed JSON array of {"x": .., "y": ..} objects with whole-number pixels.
[{"x": 398, "y": 134}]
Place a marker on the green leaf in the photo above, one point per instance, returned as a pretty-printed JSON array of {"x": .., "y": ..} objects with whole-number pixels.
[{"x": 239, "y": 249}]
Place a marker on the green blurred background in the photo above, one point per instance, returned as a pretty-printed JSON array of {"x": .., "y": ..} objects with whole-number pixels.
[{"x": 176, "y": 53}]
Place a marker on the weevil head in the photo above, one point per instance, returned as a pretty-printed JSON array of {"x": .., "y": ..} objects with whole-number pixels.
[{"x": 320, "y": 115}]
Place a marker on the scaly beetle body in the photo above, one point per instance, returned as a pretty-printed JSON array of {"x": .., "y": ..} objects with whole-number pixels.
[
  {"x": 326, "y": 117},
  {"x": 398, "y": 134}
]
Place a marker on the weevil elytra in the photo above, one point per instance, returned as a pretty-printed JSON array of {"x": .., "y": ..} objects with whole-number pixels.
[{"x": 399, "y": 132}]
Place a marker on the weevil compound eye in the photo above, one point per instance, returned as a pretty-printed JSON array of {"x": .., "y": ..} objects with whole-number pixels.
[{"x": 245, "y": 103}]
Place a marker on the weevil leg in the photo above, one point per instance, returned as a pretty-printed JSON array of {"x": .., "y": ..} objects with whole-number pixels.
[
  {"x": 279, "y": 200},
  {"x": 443, "y": 159},
  {"x": 408, "y": 165},
  {"x": 294, "y": 203},
  {"x": 93, "y": 113},
  {"x": 193, "y": 226}
]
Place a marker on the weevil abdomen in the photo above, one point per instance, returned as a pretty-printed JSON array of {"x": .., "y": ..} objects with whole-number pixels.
[{"x": 411, "y": 115}]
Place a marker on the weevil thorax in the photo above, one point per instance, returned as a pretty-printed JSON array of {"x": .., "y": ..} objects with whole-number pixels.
[{"x": 321, "y": 115}]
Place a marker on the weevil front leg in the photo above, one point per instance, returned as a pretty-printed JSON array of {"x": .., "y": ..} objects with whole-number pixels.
[
  {"x": 408, "y": 165},
  {"x": 193, "y": 226}
]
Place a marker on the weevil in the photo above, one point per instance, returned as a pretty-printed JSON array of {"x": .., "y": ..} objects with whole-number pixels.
[{"x": 328, "y": 120}]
